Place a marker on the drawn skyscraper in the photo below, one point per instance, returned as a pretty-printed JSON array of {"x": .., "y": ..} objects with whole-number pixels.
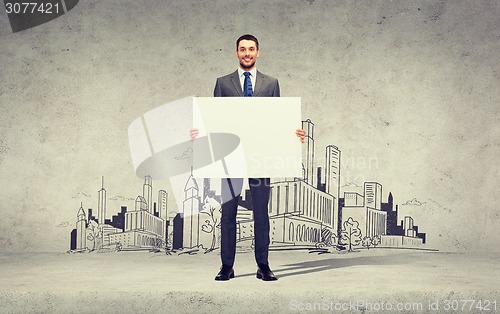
[
  {"x": 373, "y": 195},
  {"x": 332, "y": 178},
  {"x": 190, "y": 213},
  {"x": 162, "y": 204},
  {"x": 147, "y": 193},
  {"x": 332, "y": 170},
  {"x": 308, "y": 159},
  {"x": 101, "y": 205},
  {"x": 81, "y": 233},
  {"x": 408, "y": 227},
  {"x": 392, "y": 216},
  {"x": 376, "y": 218}
]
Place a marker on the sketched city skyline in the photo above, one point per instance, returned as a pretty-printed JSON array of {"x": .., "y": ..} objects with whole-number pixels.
[{"x": 308, "y": 211}]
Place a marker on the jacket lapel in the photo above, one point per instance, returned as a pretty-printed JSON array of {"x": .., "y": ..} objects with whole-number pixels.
[
  {"x": 258, "y": 85},
  {"x": 236, "y": 82}
]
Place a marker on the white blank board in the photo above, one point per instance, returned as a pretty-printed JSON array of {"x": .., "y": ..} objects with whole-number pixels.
[{"x": 247, "y": 137}]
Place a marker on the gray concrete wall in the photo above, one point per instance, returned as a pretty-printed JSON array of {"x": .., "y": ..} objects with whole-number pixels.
[{"x": 412, "y": 86}]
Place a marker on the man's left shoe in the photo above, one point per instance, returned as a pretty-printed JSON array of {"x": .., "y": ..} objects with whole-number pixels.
[{"x": 265, "y": 273}]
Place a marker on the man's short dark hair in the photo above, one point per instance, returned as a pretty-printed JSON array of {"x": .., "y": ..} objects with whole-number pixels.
[{"x": 247, "y": 37}]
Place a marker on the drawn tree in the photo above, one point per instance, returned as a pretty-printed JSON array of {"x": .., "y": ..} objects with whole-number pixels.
[
  {"x": 328, "y": 239},
  {"x": 367, "y": 241},
  {"x": 94, "y": 235},
  {"x": 159, "y": 243},
  {"x": 213, "y": 209},
  {"x": 169, "y": 243},
  {"x": 170, "y": 239},
  {"x": 350, "y": 236},
  {"x": 118, "y": 247},
  {"x": 376, "y": 240}
]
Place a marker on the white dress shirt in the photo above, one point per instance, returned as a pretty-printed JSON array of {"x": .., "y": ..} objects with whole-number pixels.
[{"x": 253, "y": 77}]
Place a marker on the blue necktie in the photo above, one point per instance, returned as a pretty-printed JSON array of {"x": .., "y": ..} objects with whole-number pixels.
[{"x": 247, "y": 85}]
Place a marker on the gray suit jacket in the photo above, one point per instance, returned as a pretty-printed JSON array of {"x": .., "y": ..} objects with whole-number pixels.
[{"x": 229, "y": 86}]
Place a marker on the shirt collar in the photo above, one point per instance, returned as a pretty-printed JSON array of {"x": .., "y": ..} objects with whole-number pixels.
[{"x": 253, "y": 72}]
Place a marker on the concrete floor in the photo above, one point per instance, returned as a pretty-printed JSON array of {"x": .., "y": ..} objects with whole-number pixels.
[{"x": 377, "y": 280}]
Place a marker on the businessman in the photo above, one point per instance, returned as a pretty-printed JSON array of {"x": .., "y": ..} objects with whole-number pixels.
[{"x": 246, "y": 81}]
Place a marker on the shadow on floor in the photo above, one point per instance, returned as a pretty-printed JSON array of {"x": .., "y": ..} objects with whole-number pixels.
[{"x": 309, "y": 267}]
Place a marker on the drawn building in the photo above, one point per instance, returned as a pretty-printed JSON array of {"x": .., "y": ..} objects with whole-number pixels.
[
  {"x": 332, "y": 180},
  {"x": 299, "y": 211},
  {"x": 308, "y": 152},
  {"x": 353, "y": 199},
  {"x": 392, "y": 217},
  {"x": 332, "y": 171},
  {"x": 178, "y": 231},
  {"x": 101, "y": 205},
  {"x": 162, "y": 204},
  {"x": 81, "y": 232},
  {"x": 191, "y": 213},
  {"x": 147, "y": 193},
  {"x": 376, "y": 218},
  {"x": 118, "y": 221},
  {"x": 366, "y": 209}
]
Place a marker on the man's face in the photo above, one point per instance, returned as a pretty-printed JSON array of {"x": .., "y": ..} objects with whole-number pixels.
[{"x": 247, "y": 54}]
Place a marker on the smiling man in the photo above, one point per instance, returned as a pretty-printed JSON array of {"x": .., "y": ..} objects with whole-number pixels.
[{"x": 246, "y": 81}]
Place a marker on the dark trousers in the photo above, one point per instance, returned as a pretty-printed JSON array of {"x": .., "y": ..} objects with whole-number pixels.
[{"x": 231, "y": 190}]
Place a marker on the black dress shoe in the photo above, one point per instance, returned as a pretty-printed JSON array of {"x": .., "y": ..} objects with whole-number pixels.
[
  {"x": 265, "y": 273},
  {"x": 226, "y": 272}
]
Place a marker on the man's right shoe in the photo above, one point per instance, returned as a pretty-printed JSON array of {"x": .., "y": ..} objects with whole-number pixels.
[{"x": 226, "y": 272}]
